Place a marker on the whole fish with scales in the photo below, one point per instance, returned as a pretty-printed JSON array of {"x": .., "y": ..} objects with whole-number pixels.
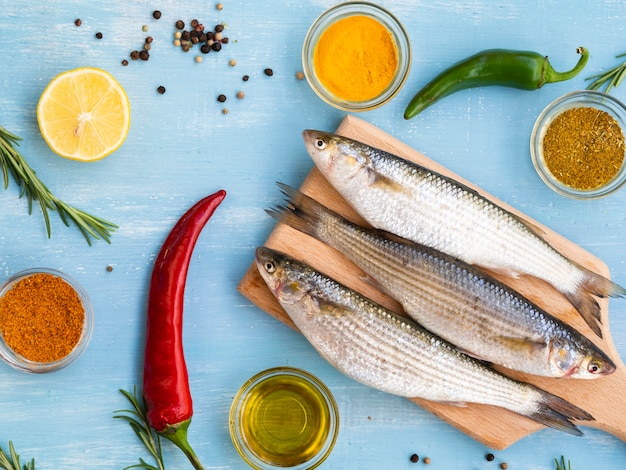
[
  {"x": 414, "y": 202},
  {"x": 457, "y": 301},
  {"x": 391, "y": 353}
]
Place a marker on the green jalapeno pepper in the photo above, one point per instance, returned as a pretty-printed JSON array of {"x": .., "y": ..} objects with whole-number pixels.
[{"x": 524, "y": 70}]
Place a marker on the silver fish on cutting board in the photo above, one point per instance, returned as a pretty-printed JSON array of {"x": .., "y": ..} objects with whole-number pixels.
[
  {"x": 385, "y": 351},
  {"x": 411, "y": 201},
  {"x": 456, "y": 301}
]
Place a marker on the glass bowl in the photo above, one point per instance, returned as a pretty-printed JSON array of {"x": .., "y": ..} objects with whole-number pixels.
[
  {"x": 19, "y": 362},
  {"x": 284, "y": 418},
  {"x": 576, "y": 99},
  {"x": 345, "y": 10}
]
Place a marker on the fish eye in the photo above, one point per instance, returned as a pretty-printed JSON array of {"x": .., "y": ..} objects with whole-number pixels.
[
  {"x": 320, "y": 144},
  {"x": 270, "y": 267},
  {"x": 593, "y": 367}
]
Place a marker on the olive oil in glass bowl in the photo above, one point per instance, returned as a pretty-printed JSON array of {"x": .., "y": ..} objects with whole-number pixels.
[{"x": 284, "y": 418}]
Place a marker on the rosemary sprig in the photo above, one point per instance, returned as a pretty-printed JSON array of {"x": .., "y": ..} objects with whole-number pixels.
[
  {"x": 561, "y": 465},
  {"x": 136, "y": 417},
  {"x": 609, "y": 78},
  {"x": 11, "y": 161},
  {"x": 14, "y": 462}
]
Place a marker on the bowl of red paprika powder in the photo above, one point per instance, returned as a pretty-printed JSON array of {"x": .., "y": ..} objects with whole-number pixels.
[
  {"x": 577, "y": 145},
  {"x": 46, "y": 320}
]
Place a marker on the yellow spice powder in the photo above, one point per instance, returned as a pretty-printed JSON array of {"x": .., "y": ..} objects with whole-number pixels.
[{"x": 356, "y": 58}]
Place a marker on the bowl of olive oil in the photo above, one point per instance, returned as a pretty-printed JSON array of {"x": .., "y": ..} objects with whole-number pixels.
[{"x": 284, "y": 418}]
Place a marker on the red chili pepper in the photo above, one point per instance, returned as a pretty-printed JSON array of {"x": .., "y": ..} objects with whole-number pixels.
[{"x": 165, "y": 381}]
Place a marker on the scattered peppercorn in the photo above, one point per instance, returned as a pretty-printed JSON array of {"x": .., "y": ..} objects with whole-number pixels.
[
  {"x": 124, "y": 62},
  {"x": 240, "y": 95},
  {"x": 299, "y": 75},
  {"x": 198, "y": 58},
  {"x": 504, "y": 465},
  {"x": 147, "y": 46},
  {"x": 415, "y": 458},
  {"x": 219, "y": 28},
  {"x": 426, "y": 460},
  {"x": 268, "y": 72},
  {"x": 78, "y": 22},
  {"x": 161, "y": 90},
  {"x": 178, "y": 35},
  {"x": 144, "y": 28},
  {"x": 216, "y": 46},
  {"x": 149, "y": 39},
  {"x": 98, "y": 35},
  {"x": 109, "y": 268},
  {"x": 144, "y": 55},
  {"x": 156, "y": 14},
  {"x": 225, "y": 111},
  {"x": 245, "y": 78},
  {"x": 180, "y": 24},
  {"x": 134, "y": 55},
  {"x": 205, "y": 48},
  {"x": 232, "y": 62},
  {"x": 219, "y": 6},
  {"x": 221, "y": 98}
]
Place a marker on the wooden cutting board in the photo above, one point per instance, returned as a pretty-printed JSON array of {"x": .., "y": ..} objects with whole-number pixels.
[{"x": 495, "y": 427}]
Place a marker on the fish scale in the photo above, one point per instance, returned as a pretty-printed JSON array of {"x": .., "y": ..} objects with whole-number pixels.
[
  {"x": 378, "y": 348},
  {"x": 402, "y": 197},
  {"x": 453, "y": 299}
]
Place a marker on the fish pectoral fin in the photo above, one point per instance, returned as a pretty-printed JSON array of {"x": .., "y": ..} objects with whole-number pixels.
[
  {"x": 522, "y": 344},
  {"x": 376, "y": 179},
  {"x": 327, "y": 307}
]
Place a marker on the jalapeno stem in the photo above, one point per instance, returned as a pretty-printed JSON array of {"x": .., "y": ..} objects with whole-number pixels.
[{"x": 552, "y": 75}]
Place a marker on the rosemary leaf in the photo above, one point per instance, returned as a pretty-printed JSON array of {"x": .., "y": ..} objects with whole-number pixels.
[
  {"x": 561, "y": 465},
  {"x": 136, "y": 418},
  {"x": 14, "y": 462},
  {"x": 12, "y": 162},
  {"x": 608, "y": 79}
]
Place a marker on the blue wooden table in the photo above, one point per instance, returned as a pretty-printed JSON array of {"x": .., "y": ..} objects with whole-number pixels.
[{"x": 182, "y": 147}]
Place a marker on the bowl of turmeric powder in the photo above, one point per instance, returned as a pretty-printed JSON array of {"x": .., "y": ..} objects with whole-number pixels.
[
  {"x": 356, "y": 56},
  {"x": 46, "y": 320},
  {"x": 577, "y": 145}
]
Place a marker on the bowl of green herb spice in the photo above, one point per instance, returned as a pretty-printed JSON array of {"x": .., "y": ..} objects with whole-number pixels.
[{"x": 577, "y": 145}]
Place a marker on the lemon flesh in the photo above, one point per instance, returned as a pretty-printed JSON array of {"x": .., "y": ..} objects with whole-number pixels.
[{"x": 84, "y": 114}]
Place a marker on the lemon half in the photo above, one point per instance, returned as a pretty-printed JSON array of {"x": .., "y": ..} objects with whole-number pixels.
[{"x": 84, "y": 114}]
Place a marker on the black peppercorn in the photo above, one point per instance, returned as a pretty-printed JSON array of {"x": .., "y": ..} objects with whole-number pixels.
[
  {"x": 221, "y": 98},
  {"x": 149, "y": 39},
  {"x": 490, "y": 457},
  {"x": 245, "y": 78},
  {"x": 216, "y": 46},
  {"x": 186, "y": 36},
  {"x": 180, "y": 24},
  {"x": 209, "y": 35},
  {"x": 144, "y": 55},
  {"x": 124, "y": 62},
  {"x": 219, "y": 28},
  {"x": 205, "y": 48},
  {"x": 161, "y": 90},
  {"x": 156, "y": 14},
  {"x": 78, "y": 22},
  {"x": 194, "y": 23},
  {"x": 415, "y": 458},
  {"x": 98, "y": 35},
  {"x": 134, "y": 55},
  {"x": 268, "y": 72},
  {"x": 224, "y": 40}
]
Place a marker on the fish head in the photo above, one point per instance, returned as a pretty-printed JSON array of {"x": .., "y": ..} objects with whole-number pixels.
[
  {"x": 280, "y": 275},
  {"x": 339, "y": 159},
  {"x": 581, "y": 362}
]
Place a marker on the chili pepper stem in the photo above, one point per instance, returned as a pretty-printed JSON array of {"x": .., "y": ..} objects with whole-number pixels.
[
  {"x": 552, "y": 75},
  {"x": 178, "y": 435}
]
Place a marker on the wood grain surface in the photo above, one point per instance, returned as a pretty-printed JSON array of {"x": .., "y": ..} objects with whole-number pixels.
[{"x": 495, "y": 427}]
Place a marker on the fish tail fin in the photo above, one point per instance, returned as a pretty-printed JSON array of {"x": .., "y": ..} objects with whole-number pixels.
[
  {"x": 593, "y": 284},
  {"x": 302, "y": 212},
  {"x": 556, "y": 413}
]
